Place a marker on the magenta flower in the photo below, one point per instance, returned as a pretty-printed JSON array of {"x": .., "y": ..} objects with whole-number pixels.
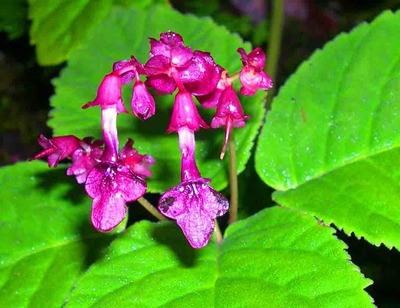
[
  {"x": 143, "y": 105},
  {"x": 109, "y": 94},
  {"x": 194, "y": 204},
  {"x": 166, "y": 57},
  {"x": 85, "y": 158},
  {"x": 172, "y": 65},
  {"x": 229, "y": 114},
  {"x": 185, "y": 114},
  {"x": 202, "y": 75},
  {"x": 139, "y": 164},
  {"x": 56, "y": 149},
  {"x": 116, "y": 179},
  {"x": 111, "y": 187},
  {"x": 252, "y": 75}
]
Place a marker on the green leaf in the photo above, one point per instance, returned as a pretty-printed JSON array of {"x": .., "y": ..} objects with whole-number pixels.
[
  {"x": 60, "y": 26},
  {"x": 330, "y": 145},
  {"x": 125, "y": 33},
  {"x": 279, "y": 257},
  {"x": 46, "y": 236},
  {"x": 13, "y": 18}
]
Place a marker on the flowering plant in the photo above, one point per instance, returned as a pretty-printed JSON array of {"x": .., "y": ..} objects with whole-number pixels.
[
  {"x": 113, "y": 178},
  {"x": 327, "y": 151}
]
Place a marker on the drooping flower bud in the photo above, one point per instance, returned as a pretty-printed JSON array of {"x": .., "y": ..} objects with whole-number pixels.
[{"x": 143, "y": 104}]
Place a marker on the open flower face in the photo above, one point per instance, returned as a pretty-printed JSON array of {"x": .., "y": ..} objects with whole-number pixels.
[
  {"x": 111, "y": 187},
  {"x": 194, "y": 205}
]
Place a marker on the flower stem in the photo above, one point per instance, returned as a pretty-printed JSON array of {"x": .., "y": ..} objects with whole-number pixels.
[
  {"x": 233, "y": 181},
  {"x": 274, "y": 44},
  {"x": 149, "y": 207},
  {"x": 110, "y": 133},
  {"x": 218, "y": 233}
]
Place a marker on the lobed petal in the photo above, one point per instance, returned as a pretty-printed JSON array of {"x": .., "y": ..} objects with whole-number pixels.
[
  {"x": 202, "y": 76},
  {"x": 108, "y": 211},
  {"x": 194, "y": 205}
]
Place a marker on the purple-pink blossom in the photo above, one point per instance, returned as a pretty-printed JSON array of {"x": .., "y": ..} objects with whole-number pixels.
[
  {"x": 113, "y": 176},
  {"x": 252, "y": 75},
  {"x": 185, "y": 114},
  {"x": 85, "y": 158},
  {"x": 229, "y": 114},
  {"x": 142, "y": 103},
  {"x": 57, "y": 148},
  {"x": 194, "y": 205},
  {"x": 111, "y": 187}
]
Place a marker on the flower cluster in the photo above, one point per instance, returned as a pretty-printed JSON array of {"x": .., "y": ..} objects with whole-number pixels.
[{"x": 112, "y": 177}]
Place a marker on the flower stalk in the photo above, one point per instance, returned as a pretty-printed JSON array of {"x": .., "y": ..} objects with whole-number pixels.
[
  {"x": 151, "y": 209},
  {"x": 233, "y": 181}
]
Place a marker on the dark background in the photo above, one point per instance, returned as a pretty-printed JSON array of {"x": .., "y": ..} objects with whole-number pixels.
[{"x": 25, "y": 89}]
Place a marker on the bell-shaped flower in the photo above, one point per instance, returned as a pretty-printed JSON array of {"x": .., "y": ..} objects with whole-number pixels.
[
  {"x": 229, "y": 113},
  {"x": 57, "y": 148},
  {"x": 109, "y": 94},
  {"x": 252, "y": 76},
  {"x": 185, "y": 114}
]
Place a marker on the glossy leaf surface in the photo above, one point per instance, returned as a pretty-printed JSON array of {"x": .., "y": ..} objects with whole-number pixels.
[
  {"x": 278, "y": 256},
  {"x": 47, "y": 239},
  {"x": 330, "y": 145}
]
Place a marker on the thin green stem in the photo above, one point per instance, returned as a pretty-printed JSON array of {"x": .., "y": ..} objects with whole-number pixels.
[
  {"x": 149, "y": 207},
  {"x": 274, "y": 44},
  {"x": 233, "y": 181},
  {"x": 218, "y": 233}
]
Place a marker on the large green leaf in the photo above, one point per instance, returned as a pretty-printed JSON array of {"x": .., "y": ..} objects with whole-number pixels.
[
  {"x": 330, "y": 145},
  {"x": 126, "y": 32},
  {"x": 60, "y": 26},
  {"x": 46, "y": 236},
  {"x": 277, "y": 258}
]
